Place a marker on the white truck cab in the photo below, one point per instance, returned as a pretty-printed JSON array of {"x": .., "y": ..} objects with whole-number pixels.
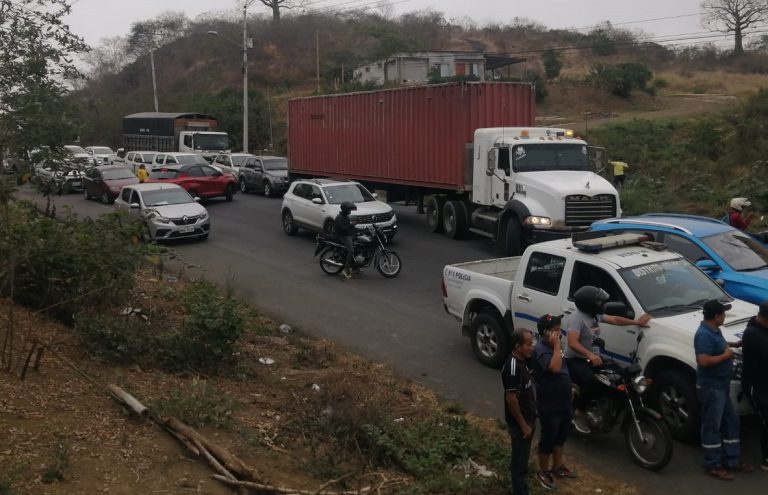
[
  {"x": 493, "y": 297},
  {"x": 205, "y": 143}
]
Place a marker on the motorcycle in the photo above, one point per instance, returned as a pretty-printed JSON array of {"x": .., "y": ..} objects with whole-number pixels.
[
  {"x": 369, "y": 246},
  {"x": 647, "y": 437}
]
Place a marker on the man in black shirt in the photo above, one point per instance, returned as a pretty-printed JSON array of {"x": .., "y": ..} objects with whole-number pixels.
[
  {"x": 754, "y": 377},
  {"x": 345, "y": 231},
  {"x": 519, "y": 407}
]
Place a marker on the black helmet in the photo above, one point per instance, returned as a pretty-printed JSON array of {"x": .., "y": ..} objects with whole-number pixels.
[
  {"x": 348, "y": 206},
  {"x": 590, "y": 299}
]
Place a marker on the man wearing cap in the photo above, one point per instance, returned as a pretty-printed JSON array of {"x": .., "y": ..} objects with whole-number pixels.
[
  {"x": 754, "y": 378},
  {"x": 719, "y": 422},
  {"x": 553, "y": 401}
]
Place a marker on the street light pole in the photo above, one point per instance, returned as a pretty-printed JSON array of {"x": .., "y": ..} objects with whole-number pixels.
[
  {"x": 245, "y": 77},
  {"x": 154, "y": 81}
]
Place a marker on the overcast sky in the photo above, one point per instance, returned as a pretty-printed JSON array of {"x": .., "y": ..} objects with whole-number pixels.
[{"x": 96, "y": 19}]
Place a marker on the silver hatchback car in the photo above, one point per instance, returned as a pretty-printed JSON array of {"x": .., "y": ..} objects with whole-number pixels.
[{"x": 168, "y": 211}]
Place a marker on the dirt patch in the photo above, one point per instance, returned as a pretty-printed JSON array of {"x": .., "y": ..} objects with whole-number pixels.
[{"x": 63, "y": 435}]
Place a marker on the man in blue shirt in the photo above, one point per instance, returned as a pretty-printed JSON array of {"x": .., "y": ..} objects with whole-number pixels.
[{"x": 719, "y": 422}]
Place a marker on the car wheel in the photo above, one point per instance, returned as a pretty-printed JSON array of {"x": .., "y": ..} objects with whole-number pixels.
[
  {"x": 229, "y": 192},
  {"x": 105, "y": 198},
  {"x": 676, "y": 401},
  {"x": 267, "y": 189},
  {"x": 490, "y": 340},
  {"x": 243, "y": 185},
  {"x": 288, "y": 226}
]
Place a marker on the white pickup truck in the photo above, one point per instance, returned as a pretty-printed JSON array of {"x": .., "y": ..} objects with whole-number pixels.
[{"x": 493, "y": 297}]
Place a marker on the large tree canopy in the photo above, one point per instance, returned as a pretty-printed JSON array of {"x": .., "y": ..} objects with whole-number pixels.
[
  {"x": 735, "y": 16},
  {"x": 36, "y": 62}
]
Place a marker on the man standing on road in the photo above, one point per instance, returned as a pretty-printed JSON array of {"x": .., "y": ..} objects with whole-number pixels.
[
  {"x": 754, "y": 378},
  {"x": 720, "y": 428},
  {"x": 519, "y": 407},
  {"x": 619, "y": 166},
  {"x": 553, "y": 401}
]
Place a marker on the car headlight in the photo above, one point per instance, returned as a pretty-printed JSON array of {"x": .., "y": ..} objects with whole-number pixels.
[
  {"x": 538, "y": 221},
  {"x": 641, "y": 384},
  {"x": 203, "y": 215},
  {"x": 160, "y": 219}
]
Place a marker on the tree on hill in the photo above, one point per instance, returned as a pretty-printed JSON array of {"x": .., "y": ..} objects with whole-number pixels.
[
  {"x": 735, "y": 16},
  {"x": 553, "y": 64},
  {"x": 278, "y": 5}
]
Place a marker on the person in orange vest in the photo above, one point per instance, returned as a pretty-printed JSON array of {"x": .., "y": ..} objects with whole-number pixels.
[{"x": 142, "y": 173}]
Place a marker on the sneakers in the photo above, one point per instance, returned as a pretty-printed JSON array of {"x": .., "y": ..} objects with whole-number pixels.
[
  {"x": 720, "y": 473},
  {"x": 741, "y": 467},
  {"x": 346, "y": 275},
  {"x": 546, "y": 480},
  {"x": 564, "y": 472}
]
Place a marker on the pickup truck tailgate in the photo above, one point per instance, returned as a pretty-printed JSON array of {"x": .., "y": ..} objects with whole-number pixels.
[{"x": 489, "y": 280}]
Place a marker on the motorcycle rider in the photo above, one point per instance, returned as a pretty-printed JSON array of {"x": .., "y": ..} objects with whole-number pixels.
[
  {"x": 582, "y": 328},
  {"x": 345, "y": 231}
]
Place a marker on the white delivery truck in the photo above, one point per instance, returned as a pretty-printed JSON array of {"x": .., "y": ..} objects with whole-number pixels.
[{"x": 493, "y": 297}]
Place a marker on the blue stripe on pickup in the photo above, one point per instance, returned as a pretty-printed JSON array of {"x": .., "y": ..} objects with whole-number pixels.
[{"x": 617, "y": 357}]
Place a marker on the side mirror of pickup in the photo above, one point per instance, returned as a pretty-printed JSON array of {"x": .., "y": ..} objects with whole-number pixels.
[
  {"x": 615, "y": 309},
  {"x": 708, "y": 266}
]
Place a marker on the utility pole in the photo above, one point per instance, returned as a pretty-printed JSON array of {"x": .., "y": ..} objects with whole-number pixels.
[
  {"x": 245, "y": 77},
  {"x": 154, "y": 81},
  {"x": 269, "y": 110},
  {"x": 317, "y": 57}
]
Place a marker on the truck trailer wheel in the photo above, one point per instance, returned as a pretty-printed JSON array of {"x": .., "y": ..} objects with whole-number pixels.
[
  {"x": 455, "y": 219},
  {"x": 490, "y": 340},
  {"x": 434, "y": 210}
]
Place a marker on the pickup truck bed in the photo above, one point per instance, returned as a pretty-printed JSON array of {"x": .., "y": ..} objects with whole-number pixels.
[{"x": 503, "y": 268}]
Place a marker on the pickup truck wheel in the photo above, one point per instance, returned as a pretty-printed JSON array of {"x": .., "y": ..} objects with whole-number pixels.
[
  {"x": 455, "y": 219},
  {"x": 490, "y": 340},
  {"x": 288, "y": 226},
  {"x": 677, "y": 403},
  {"x": 434, "y": 213},
  {"x": 513, "y": 238},
  {"x": 229, "y": 192}
]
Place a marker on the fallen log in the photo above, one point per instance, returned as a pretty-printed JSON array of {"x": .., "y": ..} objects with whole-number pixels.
[{"x": 129, "y": 400}]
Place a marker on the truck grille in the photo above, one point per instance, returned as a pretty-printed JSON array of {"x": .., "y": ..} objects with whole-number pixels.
[
  {"x": 377, "y": 218},
  {"x": 184, "y": 220},
  {"x": 581, "y": 210}
]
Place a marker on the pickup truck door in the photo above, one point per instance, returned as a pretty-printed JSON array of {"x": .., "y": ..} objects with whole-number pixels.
[
  {"x": 620, "y": 341},
  {"x": 539, "y": 289}
]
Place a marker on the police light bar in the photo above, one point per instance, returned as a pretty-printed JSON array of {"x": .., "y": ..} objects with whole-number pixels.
[{"x": 608, "y": 242}]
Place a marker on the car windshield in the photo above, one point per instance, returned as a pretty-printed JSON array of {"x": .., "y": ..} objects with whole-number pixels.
[
  {"x": 211, "y": 142},
  {"x": 74, "y": 149},
  {"x": 276, "y": 165},
  {"x": 163, "y": 197},
  {"x": 354, "y": 193},
  {"x": 147, "y": 157},
  {"x": 673, "y": 286},
  {"x": 189, "y": 159},
  {"x": 239, "y": 160},
  {"x": 117, "y": 174},
  {"x": 159, "y": 173},
  {"x": 102, "y": 150},
  {"x": 740, "y": 251},
  {"x": 543, "y": 157}
]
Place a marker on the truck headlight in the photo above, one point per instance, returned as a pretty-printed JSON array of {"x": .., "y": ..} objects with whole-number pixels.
[
  {"x": 641, "y": 384},
  {"x": 538, "y": 221}
]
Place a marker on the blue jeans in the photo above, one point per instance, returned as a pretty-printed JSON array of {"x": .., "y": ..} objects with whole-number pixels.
[{"x": 719, "y": 428}]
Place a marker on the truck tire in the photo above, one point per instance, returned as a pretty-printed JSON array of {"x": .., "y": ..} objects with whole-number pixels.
[
  {"x": 513, "y": 238},
  {"x": 456, "y": 219},
  {"x": 490, "y": 340},
  {"x": 675, "y": 399},
  {"x": 434, "y": 211}
]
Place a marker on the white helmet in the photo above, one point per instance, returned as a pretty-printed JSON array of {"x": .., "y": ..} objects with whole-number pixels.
[{"x": 739, "y": 203}]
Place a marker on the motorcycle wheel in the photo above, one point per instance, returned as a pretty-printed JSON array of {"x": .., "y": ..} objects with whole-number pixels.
[
  {"x": 388, "y": 264},
  {"x": 332, "y": 261},
  {"x": 655, "y": 452}
]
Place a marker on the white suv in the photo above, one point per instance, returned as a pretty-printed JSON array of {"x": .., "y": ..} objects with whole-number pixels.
[{"x": 313, "y": 204}]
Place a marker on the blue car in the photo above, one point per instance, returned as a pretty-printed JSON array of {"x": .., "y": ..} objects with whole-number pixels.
[{"x": 737, "y": 261}]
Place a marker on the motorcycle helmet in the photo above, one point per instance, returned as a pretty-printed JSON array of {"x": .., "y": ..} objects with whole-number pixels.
[
  {"x": 347, "y": 207},
  {"x": 739, "y": 204},
  {"x": 590, "y": 299}
]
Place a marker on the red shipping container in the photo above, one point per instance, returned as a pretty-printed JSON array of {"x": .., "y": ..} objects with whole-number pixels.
[{"x": 415, "y": 136}]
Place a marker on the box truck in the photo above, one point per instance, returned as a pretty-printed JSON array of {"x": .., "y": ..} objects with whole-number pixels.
[
  {"x": 468, "y": 153},
  {"x": 168, "y": 132}
]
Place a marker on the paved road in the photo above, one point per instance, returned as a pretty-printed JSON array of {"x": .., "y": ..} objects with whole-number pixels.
[{"x": 400, "y": 322}]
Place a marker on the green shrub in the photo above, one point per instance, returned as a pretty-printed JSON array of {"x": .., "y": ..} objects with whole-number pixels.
[
  {"x": 553, "y": 64},
  {"x": 622, "y": 79},
  {"x": 197, "y": 403}
]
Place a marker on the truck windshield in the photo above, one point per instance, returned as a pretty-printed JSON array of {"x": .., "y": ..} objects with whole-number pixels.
[
  {"x": 672, "y": 286},
  {"x": 549, "y": 156},
  {"x": 739, "y": 250},
  {"x": 354, "y": 193},
  {"x": 211, "y": 142},
  {"x": 275, "y": 164}
]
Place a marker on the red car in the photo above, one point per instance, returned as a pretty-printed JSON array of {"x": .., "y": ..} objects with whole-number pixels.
[
  {"x": 105, "y": 182},
  {"x": 201, "y": 181}
]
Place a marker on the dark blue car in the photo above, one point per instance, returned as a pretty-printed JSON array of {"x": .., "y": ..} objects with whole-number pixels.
[{"x": 738, "y": 261}]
